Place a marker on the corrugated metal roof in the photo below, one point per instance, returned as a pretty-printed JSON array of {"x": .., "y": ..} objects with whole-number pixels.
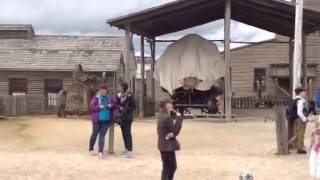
[{"x": 61, "y": 53}]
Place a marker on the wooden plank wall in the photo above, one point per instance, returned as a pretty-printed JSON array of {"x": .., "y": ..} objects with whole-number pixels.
[
  {"x": 34, "y": 103},
  {"x": 312, "y": 4},
  {"x": 245, "y": 59},
  {"x": 35, "y": 80}
]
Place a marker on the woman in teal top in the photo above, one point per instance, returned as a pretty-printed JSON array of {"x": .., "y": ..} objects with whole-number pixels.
[{"x": 101, "y": 107}]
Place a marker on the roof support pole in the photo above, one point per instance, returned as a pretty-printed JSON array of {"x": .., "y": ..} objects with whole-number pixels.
[
  {"x": 227, "y": 83},
  {"x": 297, "y": 58},
  {"x": 153, "y": 55},
  {"x": 127, "y": 53},
  {"x": 291, "y": 47},
  {"x": 304, "y": 63},
  {"x": 111, "y": 129},
  {"x": 142, "y": 91}
]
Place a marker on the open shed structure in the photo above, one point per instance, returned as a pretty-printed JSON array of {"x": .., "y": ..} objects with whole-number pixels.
[{"x": 277, "y": 16}]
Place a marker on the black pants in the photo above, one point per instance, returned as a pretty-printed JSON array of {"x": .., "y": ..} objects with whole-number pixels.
[
  {"x": 126, "y": 133},
  {"x": 169, "y": 165},
  {"x": 100, "y": 128}
]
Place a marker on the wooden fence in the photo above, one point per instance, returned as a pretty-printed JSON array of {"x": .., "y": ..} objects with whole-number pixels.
[
  {"x": 22, "y": 105},
  {"x": 249, "y": 102}
]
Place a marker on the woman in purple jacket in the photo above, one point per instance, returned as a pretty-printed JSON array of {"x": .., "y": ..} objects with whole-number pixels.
[{"x": 101, "y": 107}]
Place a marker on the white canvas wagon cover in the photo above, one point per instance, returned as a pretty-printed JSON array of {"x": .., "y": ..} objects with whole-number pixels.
[{"x": 190, "y": 62}]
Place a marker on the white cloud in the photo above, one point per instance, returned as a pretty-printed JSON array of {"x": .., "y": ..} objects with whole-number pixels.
[
  {"x": 84, "y": 17},
  {"x": 75, "y": 17}
]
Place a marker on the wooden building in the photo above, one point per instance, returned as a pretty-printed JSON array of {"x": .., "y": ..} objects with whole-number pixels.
[
  {"x": 40, "y": 66},
  {"x": 269, "y": 61}
]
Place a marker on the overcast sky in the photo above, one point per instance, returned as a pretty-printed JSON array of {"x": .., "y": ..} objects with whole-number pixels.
[{"x": 88, "y": 17}]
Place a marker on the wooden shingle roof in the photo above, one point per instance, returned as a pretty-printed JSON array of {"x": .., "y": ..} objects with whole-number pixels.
[{"x": 61, "y": 53}]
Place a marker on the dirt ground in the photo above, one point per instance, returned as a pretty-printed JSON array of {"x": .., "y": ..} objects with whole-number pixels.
[{"x": 50, "y": 148}]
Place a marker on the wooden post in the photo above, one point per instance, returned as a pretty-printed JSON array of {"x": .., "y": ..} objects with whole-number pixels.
[
  {"x": 304, "y": 63},
  {"x": 227, "y": 85},
  {"x": 291, "y": 49},
  {"x": 297, "y": 59},
  {"x": 153, "y": 60},
  {"x": 290, "y": 124},
  {"x": 281, "y": 130},
  {"x": 127, "y": 55},
  {"x": 142, "y": 91},
  {"x": 111, "y": 129},
  {"x": 111, "y": 139},
  {"x": 310, "y": 88}
]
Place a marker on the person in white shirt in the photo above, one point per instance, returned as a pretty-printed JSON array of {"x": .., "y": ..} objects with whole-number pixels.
[{"x": 301, "y": 122}]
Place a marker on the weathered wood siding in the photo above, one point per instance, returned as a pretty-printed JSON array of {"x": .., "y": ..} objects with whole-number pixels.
[
  {"x": 312, "y": 4},
  {"x": 36, "y": 85},
  {"x": 35, "y": 80},
  {"x": 245, "y": 59}
]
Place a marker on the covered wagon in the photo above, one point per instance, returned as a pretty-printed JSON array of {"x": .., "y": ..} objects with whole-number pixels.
[{"x": 191, "y": 70}]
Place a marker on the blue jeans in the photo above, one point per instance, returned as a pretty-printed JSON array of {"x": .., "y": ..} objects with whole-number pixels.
[{"x": 100, "y": 128}]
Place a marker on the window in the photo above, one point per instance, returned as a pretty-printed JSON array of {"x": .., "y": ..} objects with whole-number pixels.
[
  {"x": 52, "y": 87},
  {"x": 260, "y": 79},
  {"x": 17, "y": 86}
]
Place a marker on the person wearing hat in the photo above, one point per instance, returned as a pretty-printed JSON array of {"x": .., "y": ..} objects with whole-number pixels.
[
  {"x": 101, "y": 108},
  {"x": 300, "y": 122},
  {"x": 168, "y": 130}
]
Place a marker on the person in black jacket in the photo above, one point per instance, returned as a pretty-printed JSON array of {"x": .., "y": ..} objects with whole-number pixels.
[
  {"x": 127, "y": 105},
  {"x": 168, "y": 129}
]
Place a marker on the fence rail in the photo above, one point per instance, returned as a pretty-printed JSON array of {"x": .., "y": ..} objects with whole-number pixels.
[
  {"x": 249, "y": 102},
  {"x": 22, "y": 105},
  {"x": 40, "y": 105}
]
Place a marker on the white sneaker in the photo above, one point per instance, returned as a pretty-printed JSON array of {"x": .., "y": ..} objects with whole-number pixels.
[
  {"x": 124, "y": 152},
  {"x": 92, "y": 153},
  {"x": 101, "y": 156},
  {"x": 129, "y": 154}
]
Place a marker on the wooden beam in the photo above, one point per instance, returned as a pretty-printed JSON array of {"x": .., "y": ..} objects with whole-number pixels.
[
  {"x": 297, "y": 58},
  {"x": 153, "y": 55},
  {"x": 142, "y": 91},
  {"x": 304, "y": 63},
  {"x": 111, "y": 129},
  {"x": 236, "y": 42},
  {"x": 128, "y": 52},
  {"x": 281, "y": 130},
  {"x": 291, "y": 48},
  {"x": 227, "y": 83},
  {"x": 290, "y": 124}
]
